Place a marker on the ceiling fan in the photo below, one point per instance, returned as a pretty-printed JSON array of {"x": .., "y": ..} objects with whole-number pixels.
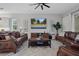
[{"x": 41, "y": 5}]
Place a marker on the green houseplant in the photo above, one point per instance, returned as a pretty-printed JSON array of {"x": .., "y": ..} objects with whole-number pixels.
[{"x": 57, "y": 26}]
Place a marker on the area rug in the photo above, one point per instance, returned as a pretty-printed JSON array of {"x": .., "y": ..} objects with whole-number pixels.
[{"x": 36, "y": 51}]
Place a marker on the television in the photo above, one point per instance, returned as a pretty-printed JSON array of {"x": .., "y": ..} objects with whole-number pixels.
[{"x": 38, "y": 23}]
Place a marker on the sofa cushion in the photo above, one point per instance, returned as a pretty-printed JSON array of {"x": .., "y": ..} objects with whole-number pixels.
[
  {"x": 72, "y": 36},
  {"x": 66, "y": 35},
  {"x": 13, "y": 39},
  {"x": 15, "y": 34},
  {"x": 2, "y": 37},
  {"x": 77, "y": 38}
]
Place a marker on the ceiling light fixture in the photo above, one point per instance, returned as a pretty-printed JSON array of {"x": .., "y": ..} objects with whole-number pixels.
[
  {"x": 1, "y": 8},
  {"x": 41, "y": 5}
]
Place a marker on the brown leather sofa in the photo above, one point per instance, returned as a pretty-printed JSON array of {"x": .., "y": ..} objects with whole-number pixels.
[
  {"x": 6, "y": 45},
  {"x": 68, "y": 38},
  {"x": 71, "y": 47},
  {"x": 12, "y": 43}
]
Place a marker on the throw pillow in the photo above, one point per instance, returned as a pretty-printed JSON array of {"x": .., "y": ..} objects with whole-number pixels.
[
  {"x": 18, "y": 39},
  {"x": 7, "y": 37},
  {"x": 77, "y": 38}
]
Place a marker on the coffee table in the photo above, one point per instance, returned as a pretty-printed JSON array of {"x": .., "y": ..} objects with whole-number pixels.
[{"x": 39, "y": 43}]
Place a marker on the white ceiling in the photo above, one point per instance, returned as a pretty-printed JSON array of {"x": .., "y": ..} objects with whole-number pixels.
[{"x": 55, "y": 8}]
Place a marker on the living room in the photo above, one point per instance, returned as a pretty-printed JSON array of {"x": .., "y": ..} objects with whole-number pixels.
[{"x": 28, "y": 23}]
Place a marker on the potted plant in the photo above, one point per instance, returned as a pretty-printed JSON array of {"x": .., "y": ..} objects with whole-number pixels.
[{"x": 57, "y": 26}]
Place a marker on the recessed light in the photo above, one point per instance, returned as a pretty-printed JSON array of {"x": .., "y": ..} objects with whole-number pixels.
[{"x": 1, "y": 8}]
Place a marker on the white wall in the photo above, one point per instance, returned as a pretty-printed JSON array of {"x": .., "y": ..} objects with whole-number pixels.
[
  {"x": 21, "y": 18},
  {"x": 51, "y": 19}
]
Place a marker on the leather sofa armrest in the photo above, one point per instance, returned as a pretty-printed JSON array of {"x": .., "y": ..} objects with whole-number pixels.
[
  {"x": 7, "y": 44},
  {"x": 18, "y": 39},
  {"x": 75, "y": 45}
]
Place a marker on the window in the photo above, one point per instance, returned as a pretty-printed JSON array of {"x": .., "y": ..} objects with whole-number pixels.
[{"x": 13, "y": 24}]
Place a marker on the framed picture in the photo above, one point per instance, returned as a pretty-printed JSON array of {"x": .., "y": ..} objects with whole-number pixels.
[{"x": 38, "y": 23}]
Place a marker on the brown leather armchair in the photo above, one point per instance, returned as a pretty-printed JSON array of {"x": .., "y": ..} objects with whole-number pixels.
[
  {"x": 46, "y": 40},
  {"x": 32, "y": 41}
]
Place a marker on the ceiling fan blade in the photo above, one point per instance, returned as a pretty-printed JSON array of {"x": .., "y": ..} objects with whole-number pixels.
[
  {"x": 42, "y": 7},
  {"x": 37, "y": 6},
  {"x": 46, "y": 5},
  {"x": 34, "y": 4}
]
